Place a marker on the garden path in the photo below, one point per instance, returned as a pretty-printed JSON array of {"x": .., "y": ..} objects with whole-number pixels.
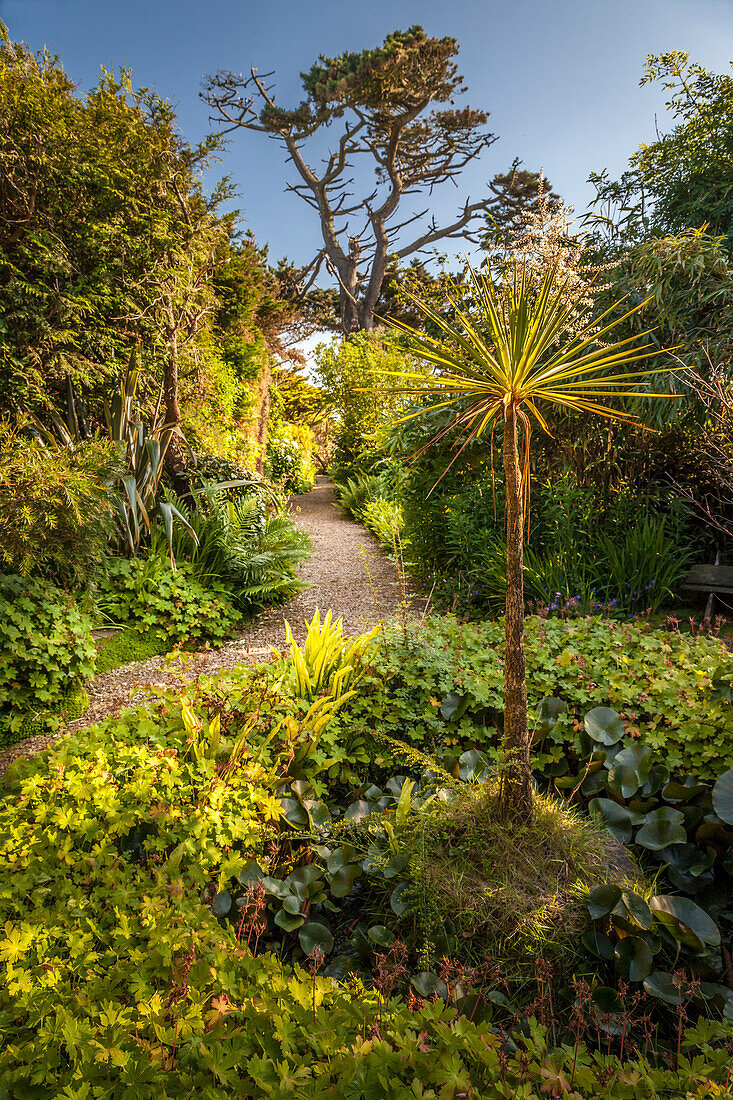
[{"x": 347, "y": 572}]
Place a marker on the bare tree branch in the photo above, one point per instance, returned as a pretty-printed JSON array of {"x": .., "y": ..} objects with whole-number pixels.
[{"x": 391, "y": 106}]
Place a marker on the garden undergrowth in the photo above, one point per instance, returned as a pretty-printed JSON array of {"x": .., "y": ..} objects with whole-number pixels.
[{"x": 247, "y": 886}]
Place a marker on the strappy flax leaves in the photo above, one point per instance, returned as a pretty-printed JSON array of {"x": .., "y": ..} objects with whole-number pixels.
[
  {"x": 516, "y": 343},
  {"x": 510, "y": 348}
]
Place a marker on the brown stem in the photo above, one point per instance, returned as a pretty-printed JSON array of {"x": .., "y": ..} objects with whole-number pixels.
[
  {"x": 174, "y": 459},
  {"x": 515, "y": 797},
  {"x": 263, "y": 413},
  {"x": 727, "y": 960}
]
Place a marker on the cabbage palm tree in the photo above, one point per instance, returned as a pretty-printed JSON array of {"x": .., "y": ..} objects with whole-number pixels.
[{"x": 511, "y": 350}]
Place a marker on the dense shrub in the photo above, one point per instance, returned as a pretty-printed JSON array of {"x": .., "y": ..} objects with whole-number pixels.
[
  {"x": 289, "y": 462},
  {"x": 374, "y": 500},
  {"x": 147, "y": 594},
  {"x": 214, "y": 468},
  {"x": 263, "y": 571},
  {"x": 245, "y": 544},
  {"x": 385, "y": 519},
  {"x": 55, "y": 506},
  {"x": 627, "y": 556},
  {"x": 45, "y": 652},
  {"x": 173, "y": 990},
  {"x": 108, "y": 244},
  {"x": 351, "y": 374},
  {"x": 355, "y": 493}
]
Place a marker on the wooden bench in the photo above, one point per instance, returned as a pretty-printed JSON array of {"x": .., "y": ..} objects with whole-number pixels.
[{"x": 716, "y": 580}]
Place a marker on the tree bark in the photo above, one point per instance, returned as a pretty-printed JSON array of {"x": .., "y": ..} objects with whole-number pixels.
[
  {"x": 349, "y": 283},
  {"x": 174, "y": 460},
  {"x": 515, "y": 796},
  {"x": 349, "y": 314},
  {"x": 262, "y": 429}
]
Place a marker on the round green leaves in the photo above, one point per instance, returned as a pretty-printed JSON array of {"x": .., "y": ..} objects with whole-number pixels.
[
  {"x": 604, "y": 726},
  {"x": 686, "y": 922},
  {"x": 723, "y": 797},
  {"x": 661, "y": 828},
  {"x": 314, "y": 935}
]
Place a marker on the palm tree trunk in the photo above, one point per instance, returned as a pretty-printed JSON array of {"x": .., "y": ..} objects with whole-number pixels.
[{"x": 516, "y": 782}]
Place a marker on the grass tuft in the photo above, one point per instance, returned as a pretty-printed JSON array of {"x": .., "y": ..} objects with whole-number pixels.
[{"x": 518, "y": 891}]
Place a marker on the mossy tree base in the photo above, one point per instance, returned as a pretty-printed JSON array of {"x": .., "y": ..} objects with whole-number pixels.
[{"x": 517, "y": 891}]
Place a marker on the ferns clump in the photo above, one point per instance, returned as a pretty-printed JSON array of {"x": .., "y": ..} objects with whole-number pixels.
[
  {"x": 266, "y": 567},
  {"x": 355, "y": 493},
  {"x": 253, "y": 551}
]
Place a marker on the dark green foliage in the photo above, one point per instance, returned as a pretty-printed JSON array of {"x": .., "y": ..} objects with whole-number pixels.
[
  {"x": 55, "y": 506},
  {"x": 146, "y": 593},
  {"x": 605, "y": 530},
  {"x": 256, "y": 303},
  {"x": 107, "y": 238},
  {"x": 139, "y": 498},
  {"x": 89, "y": 229},
  {"x": 364, "y": 77},
  {"x": 677, "y": 827},
  {"x": 518, "y": 193},
  {"x": 267, "y": 572},
  {"x": 45, "y": 652},
  {"x": 645, "y": 568},
  {"x": 689, "y": 283},
  {"x": 214, "y": 468},
  {"x": 251, "y": 550},
  {"x": 626, "y": 555},
  {"x": 443, "y": 683}
]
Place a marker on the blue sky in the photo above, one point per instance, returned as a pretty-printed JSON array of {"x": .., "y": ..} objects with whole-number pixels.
[{"x": 559, "y": 77}]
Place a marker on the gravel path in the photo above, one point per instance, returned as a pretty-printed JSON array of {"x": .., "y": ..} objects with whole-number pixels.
[{"x": 347, "y": 572}]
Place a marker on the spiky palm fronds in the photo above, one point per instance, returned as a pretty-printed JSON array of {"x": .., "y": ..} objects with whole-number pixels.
[
  {"x": 509, "y": 348},
  {"x": 518, "y": 343}
]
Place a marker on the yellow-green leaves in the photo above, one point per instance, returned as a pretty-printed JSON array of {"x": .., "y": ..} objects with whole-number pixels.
[
  {"x": 14, "y": 942},
  {"x": 512, "y": 342},
  {"x": 328, "y": 664}
]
